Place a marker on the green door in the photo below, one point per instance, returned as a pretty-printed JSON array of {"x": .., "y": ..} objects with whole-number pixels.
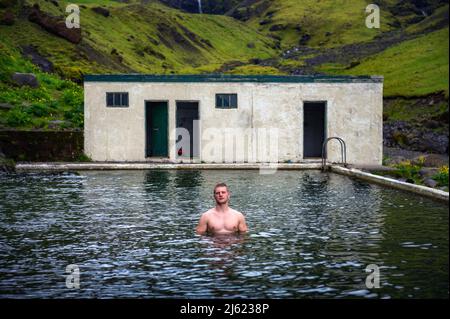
[{"x": 156, "y": 123}]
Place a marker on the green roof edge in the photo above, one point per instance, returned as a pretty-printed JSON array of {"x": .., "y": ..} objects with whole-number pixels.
[{"x": 232, "y": 78}]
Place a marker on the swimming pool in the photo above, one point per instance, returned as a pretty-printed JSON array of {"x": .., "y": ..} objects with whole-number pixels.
[{"x": 131, "y": 234}]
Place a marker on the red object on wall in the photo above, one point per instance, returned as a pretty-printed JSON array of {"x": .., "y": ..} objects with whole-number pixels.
[{"x": 180, "y": 151}]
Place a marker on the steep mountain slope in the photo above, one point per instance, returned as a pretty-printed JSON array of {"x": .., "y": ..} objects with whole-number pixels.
[
  {"x": 115, "y": 37},
  {"x": 203, "y": 6},
  {"x": 421, "y": 66},
  {"x": 135, "y": 37},
  {"x": 329, "y": 23}
]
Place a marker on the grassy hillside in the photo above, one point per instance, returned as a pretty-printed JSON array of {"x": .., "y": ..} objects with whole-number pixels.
[
  {"x": 149, "y": 38},
  {"x": 25, "y": 107},
  {"x": 411, "y": 68},
  {"x": 325, "y": 23}
]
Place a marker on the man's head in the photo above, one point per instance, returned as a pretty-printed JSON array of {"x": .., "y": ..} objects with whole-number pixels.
[{"x": 221, "y": 194}]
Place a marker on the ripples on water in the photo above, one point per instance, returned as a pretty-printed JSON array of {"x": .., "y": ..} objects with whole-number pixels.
[{"x": 132, "y": 235}]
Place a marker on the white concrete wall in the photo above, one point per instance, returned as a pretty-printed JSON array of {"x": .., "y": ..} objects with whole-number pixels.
[{"x": 353, "y": 112}]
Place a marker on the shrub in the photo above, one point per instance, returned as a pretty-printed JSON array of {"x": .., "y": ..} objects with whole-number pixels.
[
  {"x": 49, "y": 80},
  {"x": 34, "y": 94},
  {"x": 38, "y": 109},
  {"x": 75, "y": 115},
  {"x": 73, "y": 100},
  {"x": 17, "y": 117},
  {"x": 40, "y": 123},
  {"x": 65, "y": 84},
  {"x": 72, "y": 73},
  {"x": 53, "y": 104},
  {"x": 409, "y": 171},
  {"x": 72, "y": 97},
  {"x": 83, "y": 158},
  {"x": 442, "y": 176}
]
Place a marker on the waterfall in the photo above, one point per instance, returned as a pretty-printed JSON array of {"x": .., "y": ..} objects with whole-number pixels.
[{"x": 199, "y": 6}]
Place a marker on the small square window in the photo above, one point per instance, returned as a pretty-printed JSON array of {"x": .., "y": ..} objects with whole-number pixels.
[
  {"x": 117, "y": 99},
  {"x": 226, "y": 101}
]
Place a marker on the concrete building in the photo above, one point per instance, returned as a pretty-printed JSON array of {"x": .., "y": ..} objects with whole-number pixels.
[{"x": 228, "y": 118}]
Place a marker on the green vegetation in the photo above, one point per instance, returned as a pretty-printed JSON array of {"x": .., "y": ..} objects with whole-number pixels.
[
  {"x": 7, "y": 164},
  {"x": 400, "y": 109},
  {"x": 412, "y": 68},
  {"x": 83, "y": 158},
  {"x": 255, "y": 70},
  {"x": 411, "y": 171},
  {"x": 150, "y": 38},
  {"x": 54, "y": 100},
  {"x": 442, "y": 176},
  {"x": 439, "y": 17},
  {"x": 328, "y": 23}
]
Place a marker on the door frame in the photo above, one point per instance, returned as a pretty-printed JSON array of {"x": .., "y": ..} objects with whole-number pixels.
[
  {"x": 325, "y": 124},
  {"x": 146, "y": 127},
  {"x": 199, "y": 127}
]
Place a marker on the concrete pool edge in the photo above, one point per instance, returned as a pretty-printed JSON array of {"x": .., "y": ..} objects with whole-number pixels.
[
  {"x": 352, "y": 172},
  {"x": 393, "y": 183},
  {"x": 64, "y": 166}
]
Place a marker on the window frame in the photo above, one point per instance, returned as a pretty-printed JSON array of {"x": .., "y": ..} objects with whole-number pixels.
[
  {"x": 122, "y": 97},
  {"x": 231, "y": 97}
]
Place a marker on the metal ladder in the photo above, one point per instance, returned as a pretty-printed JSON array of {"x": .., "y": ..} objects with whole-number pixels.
[{"x": 343, "y": 151}]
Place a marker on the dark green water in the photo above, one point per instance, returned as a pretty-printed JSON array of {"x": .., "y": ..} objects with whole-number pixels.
[{"x": 131, "y": 233}]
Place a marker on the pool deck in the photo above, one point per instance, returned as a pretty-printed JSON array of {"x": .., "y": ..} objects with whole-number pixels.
[
  {"x": 265, "y": 168},
  {"x": 60, "y": 166},
  {"x": 390, "y": 182}
]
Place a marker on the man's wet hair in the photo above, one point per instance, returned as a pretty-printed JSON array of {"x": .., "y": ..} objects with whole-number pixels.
[{"x": 220, "y": 185}]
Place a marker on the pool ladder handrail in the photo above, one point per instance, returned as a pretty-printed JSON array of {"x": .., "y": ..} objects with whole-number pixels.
[{"x": 343, "y": 151}]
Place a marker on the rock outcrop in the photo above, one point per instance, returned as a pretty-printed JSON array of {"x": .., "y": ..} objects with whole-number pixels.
[
  {"x": 103, "y": 11},
  {"x": 54, "y": 25},
  {"x": 22, "y": 79},
  {"x": 31, "y": 52},
  {"x": 405, "y": 135}
]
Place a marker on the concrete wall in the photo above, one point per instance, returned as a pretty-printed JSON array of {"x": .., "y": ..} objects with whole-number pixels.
[
  {"x": 42, "y": 146},
  {"x": 354, "y": 113}
]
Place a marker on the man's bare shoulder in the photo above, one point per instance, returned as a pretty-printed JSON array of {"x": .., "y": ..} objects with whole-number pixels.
[
  {"x": 237, "y": 213},
  {"x": 208, "y": 212}
]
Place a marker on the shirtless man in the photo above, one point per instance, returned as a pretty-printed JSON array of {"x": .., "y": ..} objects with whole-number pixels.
[{"x": 221, "y": 219}]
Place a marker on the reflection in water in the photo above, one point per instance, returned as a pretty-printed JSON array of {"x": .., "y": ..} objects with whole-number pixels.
[
  {"x": 188, "y": 179},
  {"x": 132, "y": 234},
  {"x": 156, "y": 180},
  {"x": 222, "y": 250},
  {"x": 224, "y": 241}
]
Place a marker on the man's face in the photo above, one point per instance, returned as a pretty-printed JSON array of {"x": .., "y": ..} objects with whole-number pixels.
[{"x": 221, "y": 195}]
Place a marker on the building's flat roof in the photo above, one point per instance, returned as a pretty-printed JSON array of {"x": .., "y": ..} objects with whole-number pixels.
[{"x": 232, "y": 78}]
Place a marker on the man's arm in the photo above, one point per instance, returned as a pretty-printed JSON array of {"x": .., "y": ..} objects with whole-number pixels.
[
  {"x": 202, "y": 226},
  {"x": 242, "y": 224}
]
